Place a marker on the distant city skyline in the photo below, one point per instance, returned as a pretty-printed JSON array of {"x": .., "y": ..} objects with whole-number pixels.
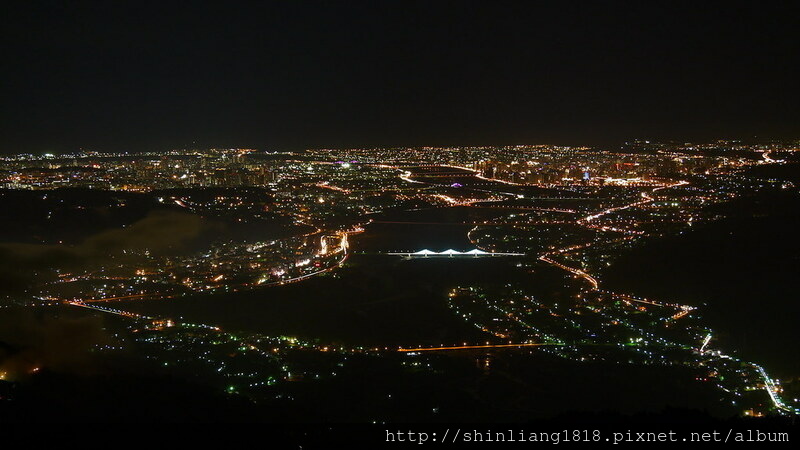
[{"x": 627, "y": 146}]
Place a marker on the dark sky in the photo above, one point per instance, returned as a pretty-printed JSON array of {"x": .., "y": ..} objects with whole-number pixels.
[{"x": 295, "y": 74}]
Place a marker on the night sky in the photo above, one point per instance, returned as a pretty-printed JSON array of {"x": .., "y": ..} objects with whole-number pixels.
[{"x": 115, "y": 76}]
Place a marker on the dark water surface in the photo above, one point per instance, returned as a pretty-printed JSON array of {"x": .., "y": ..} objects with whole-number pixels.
[{"x": 374, "y": 299}]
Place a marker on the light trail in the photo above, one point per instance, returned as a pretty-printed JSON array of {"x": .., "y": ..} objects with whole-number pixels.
[
  {"x": 107, "y": 310},
  {"x": 592, "y": 280},
  {"x": 123, "y": 297},
  {"x": 705, "y": 342},
  {"x": 406, "y": 176},
  {"x": 468, "y": 347},
  {"x": 325, "y": 185}
]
